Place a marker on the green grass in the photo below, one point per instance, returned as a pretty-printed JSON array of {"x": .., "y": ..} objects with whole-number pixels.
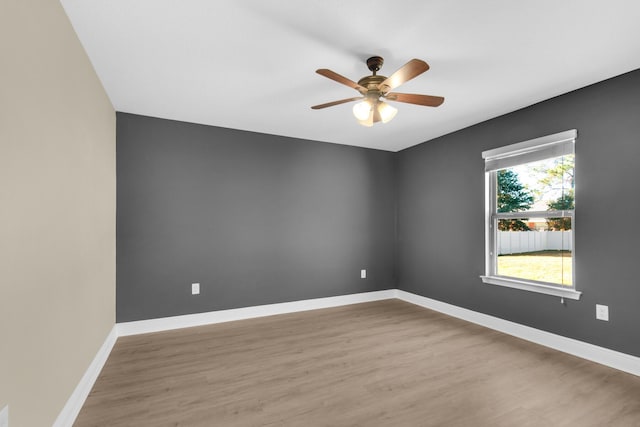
[{"x": 545, "y": 266}]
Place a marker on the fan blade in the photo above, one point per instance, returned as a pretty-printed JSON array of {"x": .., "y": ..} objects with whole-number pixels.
[
  {"x": 331, "y": 104},
  {"x": 341, "y": 79},
  {"x": 411, "y": 69},
  {"x": 410, "y": 98}
]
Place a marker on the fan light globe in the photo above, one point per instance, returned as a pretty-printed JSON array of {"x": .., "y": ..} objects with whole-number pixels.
[
  {"x": 368, "y": 122},
  {"x": 362, "y": 110},
  {"x": 387, "y": 112}
]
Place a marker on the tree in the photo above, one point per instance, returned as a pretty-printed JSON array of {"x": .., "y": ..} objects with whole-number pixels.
[
  {"x": 557, "y": 175},
  {"x": 561, "y": 172},
  {"x": 512, "y": 197},
  {"x": 562, "y": 203}
]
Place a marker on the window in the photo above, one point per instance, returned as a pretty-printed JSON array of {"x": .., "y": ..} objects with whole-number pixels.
[{"x": 530, "y": 205}]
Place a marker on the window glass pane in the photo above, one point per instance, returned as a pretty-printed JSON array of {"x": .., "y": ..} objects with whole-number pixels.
[
  {"x": 537, "y": 186},
  {"x": 540, "y": 252}
]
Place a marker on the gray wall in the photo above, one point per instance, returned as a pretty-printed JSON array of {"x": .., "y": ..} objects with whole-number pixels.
[
  {"x": 260, "y": 219},
  {"x": 255, "y": 219},
  {"x": 440, "y": 186}
]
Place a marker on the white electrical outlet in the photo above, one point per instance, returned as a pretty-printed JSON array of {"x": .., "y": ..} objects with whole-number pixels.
[
  {"x": 602, "y": 312},
  {"x": 195, "y": 288},
  {"x": 363, "y": 274},
  {"x": 4, "y": 417}
]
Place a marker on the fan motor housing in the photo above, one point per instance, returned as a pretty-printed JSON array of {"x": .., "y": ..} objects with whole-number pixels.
[{"x": 371, "y": 82}]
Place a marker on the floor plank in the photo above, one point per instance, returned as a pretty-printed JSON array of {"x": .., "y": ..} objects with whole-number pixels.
[{"x": 385, "y": 363}]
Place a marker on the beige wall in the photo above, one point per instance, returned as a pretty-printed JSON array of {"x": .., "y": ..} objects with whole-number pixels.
[{"x": 57, "y": 211}]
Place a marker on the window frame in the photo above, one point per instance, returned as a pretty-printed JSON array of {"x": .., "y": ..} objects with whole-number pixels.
[{"x": 545, "y": 147}]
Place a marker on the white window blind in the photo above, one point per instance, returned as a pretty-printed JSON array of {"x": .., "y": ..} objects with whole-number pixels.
[{"x": 558, "y": 144}]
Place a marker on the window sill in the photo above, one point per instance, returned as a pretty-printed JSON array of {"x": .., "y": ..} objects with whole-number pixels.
[{"x": 532, "y": 287}]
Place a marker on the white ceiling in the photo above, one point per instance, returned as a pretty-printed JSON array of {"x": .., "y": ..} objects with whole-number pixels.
[{"x": 250, "y": 64}]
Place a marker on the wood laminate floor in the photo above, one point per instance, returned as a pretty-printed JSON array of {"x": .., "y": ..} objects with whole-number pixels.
[{"x": 386, "y": 363}]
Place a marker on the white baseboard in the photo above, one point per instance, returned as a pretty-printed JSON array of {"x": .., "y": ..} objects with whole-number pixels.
[
  {"x": 604, "y": 356},
  {"x": 71, "y": 409},
  {"x": 601, "y": 355},
  {"x": 200, "y": 319}
]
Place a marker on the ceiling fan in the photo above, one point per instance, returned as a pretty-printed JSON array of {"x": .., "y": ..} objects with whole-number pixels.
[{"x": 375, "y": 89}]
